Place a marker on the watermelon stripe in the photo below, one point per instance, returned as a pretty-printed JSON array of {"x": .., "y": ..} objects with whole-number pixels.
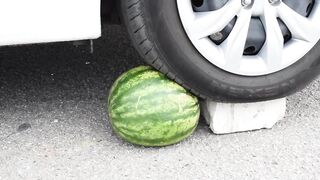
[
  {"x": 129, "y": 90},
  {"x": 146, "y": 114},
  {"x": 176, "y": 123},
  {"x": 146, "y": 108},
  {"x": 125, "y": 78},
  {"x": 155, "y": 108},
  {"x": 142, "y": 128},
  {"x": 158, "y": 134},
  {"x": 181, "y": 118},
  {"x": 129, "y": 133},
  {"x": 132, "y": 99},
  {"x": 154, "y": 95},
  {"x": 151, "y": 115},
  {"x": 135, "y": 82},
  {"x": 158, "y": 90},
  {"x": 137, "y": 139},
  {"x": 157, "y": 112}
]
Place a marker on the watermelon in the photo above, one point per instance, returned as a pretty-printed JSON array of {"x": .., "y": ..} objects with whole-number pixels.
[{"x": 148, "y": 109}]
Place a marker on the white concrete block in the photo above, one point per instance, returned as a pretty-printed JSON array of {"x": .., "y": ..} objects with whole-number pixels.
[{"x": 225, "y": 118}]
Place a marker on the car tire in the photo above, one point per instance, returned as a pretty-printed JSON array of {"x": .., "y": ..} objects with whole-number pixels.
[{"x": 159, "y": 36}]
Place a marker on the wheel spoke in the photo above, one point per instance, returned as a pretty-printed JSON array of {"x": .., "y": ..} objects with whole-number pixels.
[
  {"x": 300, "y": 27},
  {"x": 233, "y": 46},
  {"x": 208, "y": 23},
  {"x": 272, "y": 50}
]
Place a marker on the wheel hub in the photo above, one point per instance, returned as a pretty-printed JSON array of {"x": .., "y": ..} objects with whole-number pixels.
[
  {"x": 258, "y": 7},
  {"x": 274, "y": 2},
  {"x": 247, "y": 3},
  {"x": 251, "y": 37}
]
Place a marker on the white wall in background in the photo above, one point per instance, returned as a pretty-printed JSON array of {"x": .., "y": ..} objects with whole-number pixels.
[{"x": 37, "y": 21}]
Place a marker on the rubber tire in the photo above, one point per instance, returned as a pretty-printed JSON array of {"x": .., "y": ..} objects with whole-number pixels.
[{"x": 157, "y": 33}]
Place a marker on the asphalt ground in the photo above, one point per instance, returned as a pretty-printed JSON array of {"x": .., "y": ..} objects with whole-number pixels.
[{"x": 53, "y": 124}]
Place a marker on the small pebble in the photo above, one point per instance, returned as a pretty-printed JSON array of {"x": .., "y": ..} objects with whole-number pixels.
[{"x": 24, "y": 127}]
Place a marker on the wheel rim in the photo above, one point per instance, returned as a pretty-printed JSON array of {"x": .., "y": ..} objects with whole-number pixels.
[{"x": 276, "y": 52}]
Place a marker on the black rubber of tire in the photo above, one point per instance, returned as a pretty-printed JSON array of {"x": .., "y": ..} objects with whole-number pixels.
[{"x": 158, "y": 35}]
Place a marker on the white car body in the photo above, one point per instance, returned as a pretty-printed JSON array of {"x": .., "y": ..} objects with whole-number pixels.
[{"x": 39, "y": 21}]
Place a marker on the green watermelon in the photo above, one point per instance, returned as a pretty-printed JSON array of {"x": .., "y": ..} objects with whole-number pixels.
[{"x": 146, "y": 108}]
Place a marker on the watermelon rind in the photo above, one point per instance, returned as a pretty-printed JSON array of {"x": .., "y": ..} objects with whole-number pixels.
[{"x": 146, "y": 108}]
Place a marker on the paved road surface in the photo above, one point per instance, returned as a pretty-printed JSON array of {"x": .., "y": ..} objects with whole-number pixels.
[{"x": 53, "y": 124}]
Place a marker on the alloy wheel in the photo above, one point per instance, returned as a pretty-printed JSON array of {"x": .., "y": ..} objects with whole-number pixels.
[{"x": 251, "y": 37}]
